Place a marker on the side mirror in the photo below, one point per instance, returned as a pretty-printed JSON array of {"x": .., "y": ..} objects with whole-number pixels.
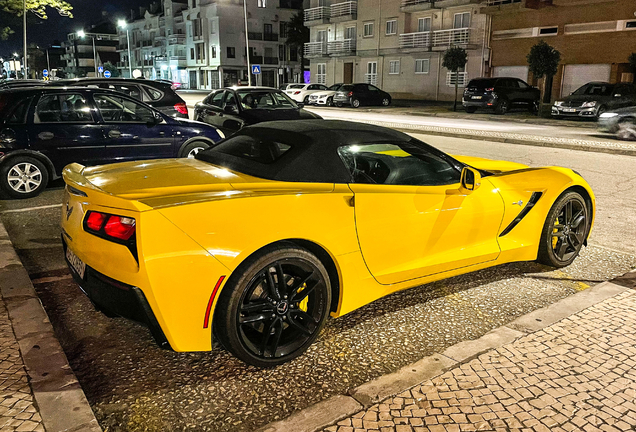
[
  {"x": 230, "y": 109},
  {"x": 470, "y": 180},
  {"x": 156, "y": 119},
  {"x": 300, "y": 104}
]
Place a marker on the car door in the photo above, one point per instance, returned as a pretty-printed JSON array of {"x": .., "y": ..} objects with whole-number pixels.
[
  {"x": 230, "y": 117},
  {"x": 361, "y": 92},
  {"x": 375, "y": 95},
  {"x": 211, "y": 109},
  {"x": 411, "y": 218},
  {"x": 131, "y": 130},
  {"x": 64, "y": 128},
  {"x": 526, "y": 92}
]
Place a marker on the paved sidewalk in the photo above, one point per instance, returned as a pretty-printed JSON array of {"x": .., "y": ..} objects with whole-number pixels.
[
  {"x": 17, "y": 409},
  {"x": 577, "y": 374}
]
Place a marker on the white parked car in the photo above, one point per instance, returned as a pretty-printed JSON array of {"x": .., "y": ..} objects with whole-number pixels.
[
  {"x": 324, "y": 98},
  {"x": 301, "y": 92}
]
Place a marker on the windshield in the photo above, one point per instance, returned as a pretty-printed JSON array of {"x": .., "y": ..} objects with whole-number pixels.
[
  {"x": 264, "y": 99},
  {"x": 600, "y": 89},
  {"x": 296, "y": 86},
  {"x": 346, "y": 87}
]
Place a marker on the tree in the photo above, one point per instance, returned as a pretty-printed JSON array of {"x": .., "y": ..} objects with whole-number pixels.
[
  {"x": 632, "y": 64},
  {"x": 114, "y": 72},
  {"x": 455, "y": 58},
  {"x": 543, "y": 61},
  {"x": 298, "y": 35},
  {"x": 10, "y": 10}
]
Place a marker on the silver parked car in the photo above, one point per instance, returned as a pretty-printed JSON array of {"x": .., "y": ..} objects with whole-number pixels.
[{"x": 594, "y": 98}]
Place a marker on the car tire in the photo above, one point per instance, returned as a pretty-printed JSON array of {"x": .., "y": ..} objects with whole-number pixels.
[
  {"x": 627, "y": 129},
  {"x": 355, "y": 103},
  {"x": 265, "y": 323},
  {"x": 502, "y": 106},
  {"x": 329, "y": 101},
  {"x": 339, "y": 104},
  {"x": 564, "y": 231},
  {"x": 23, "y": 177},
  {"x": 533, "y": 107},
  {"x": 386, "y": 101},
  {"x": 190, "y": 150},
  {"x": 306, "y": 100},
  {"x": 470, "y": 110},
  {"x": 600, "y": 111}
]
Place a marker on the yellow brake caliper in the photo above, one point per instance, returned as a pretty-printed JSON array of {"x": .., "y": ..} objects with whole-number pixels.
[{"x": 555, "y": 239}]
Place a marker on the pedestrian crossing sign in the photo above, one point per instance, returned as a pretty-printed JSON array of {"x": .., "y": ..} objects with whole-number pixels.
[{"x": 256, "y": 69}]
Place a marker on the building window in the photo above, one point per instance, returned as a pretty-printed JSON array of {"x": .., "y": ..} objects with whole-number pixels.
[
  {"x": 231, "y": 52},
  {"x": 191, "y": 53},
  {"x": 630, "y": 24},
  {"x": 462, "y": 20},
  {"x": 391, "y": 27},
  {"x": 267, "y": 29},
  {"x": 424, "y": 24},
  {"x": 262, "y": 3},
  {"x": 371, "y": 77},
  {"x": 368, "y": 29},
  {"x": 394, "y": 67},
  {"x": 549, "y": 31},
  {"x": 293, "y": 54},
  {"x": 200, "y": 48},
  {"x": 321, "y": 73},
  {"x": 422, "y": 66},
  {"x": 350, "y": 33},
  {"x": 283, "y": 29},
  {"x": 281, "y": 52},
  {"x": 194, "y": 3},
  {"x": 213, "y": 51}
]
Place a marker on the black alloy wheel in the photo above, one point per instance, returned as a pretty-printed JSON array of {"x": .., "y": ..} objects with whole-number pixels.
[
  {"x": 355, "y": 102},
  {"x": 386, "y": 101},
  {"x": 502, "y": 106},
  {"x": 329, "y": 101},
  {"x": 276, "y": 308},
  {"x": 306, "y": 100},
  {"x": 564, "y": 231}
]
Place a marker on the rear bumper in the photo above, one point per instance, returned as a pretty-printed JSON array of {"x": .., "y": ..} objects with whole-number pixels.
[
  {"x": 110, "y": 295},
  {"x": 487, "y": 103}
]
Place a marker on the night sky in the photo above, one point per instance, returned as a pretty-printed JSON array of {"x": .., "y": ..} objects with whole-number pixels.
[{"x": 85, "y": 12}]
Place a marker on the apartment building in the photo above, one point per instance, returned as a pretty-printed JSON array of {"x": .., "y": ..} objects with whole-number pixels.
[
  {"x": 78, "y": 51},
  {"x": 397, "y": 45},
  {"x": 594, "y": 37}
]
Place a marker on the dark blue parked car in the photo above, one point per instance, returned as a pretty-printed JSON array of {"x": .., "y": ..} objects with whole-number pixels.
[{"x": 42, "y": 129}]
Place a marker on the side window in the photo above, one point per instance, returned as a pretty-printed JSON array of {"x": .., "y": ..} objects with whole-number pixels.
[
  {"x": 229, "y": 99},
  {"x": 522, "y": 84},
  {"x": 397, "y": 164},
  {"x": 62, "y": 108},
  {"x": 115, "y": 109},
  {"x": 130, "y": 90},
  {"x": 154, "y": 94},
  {"x": 18, "y": 116},
  {"x": 372, "y": 88},
  {"x": 216, "y": 99}
]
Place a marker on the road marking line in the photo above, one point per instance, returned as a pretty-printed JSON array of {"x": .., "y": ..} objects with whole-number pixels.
[
  {"x": 51, "y": 279},
  {"x": 31, "y": 208}
]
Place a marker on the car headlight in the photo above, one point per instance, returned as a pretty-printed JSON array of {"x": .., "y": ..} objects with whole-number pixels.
[
  {"x": 588, "y": 104},
  {"x": 558, "y": 103},
  {"x": 608, "y": 115}
]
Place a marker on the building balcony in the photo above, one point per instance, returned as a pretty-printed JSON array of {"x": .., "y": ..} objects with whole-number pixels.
[
  {"x": 255, "y": 36},
  {"x": 315, "y": 49},
  {"x": 342, "y": 47},
  {"x": 256, "y": 59},
  {"x": 179, "y": 61},
  {"x": 158, "y": 44},
  {"x": 443, "y": 39},
  {"x": 415, "y": 40},
  {"x": 496, "y": 5},
  {"x": 177, "y": 40},
  {"x": 270, "y": 37},
  {"x": 415, "y": 5},
  {"x": 345, "y": 11},
  {"x": 178, "y": 19},
  {"x": 270, "y": 60},
  {"x": 317, "y": 15},
  {"x": 197, "y": 38}
]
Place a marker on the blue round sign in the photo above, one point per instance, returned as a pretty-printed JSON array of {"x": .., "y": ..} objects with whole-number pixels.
[
  {"x": 45, "y": 72},
  {"x": 107, "y": 74}
]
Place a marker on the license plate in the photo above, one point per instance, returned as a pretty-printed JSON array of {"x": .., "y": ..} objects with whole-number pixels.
[
  {"x": 476, "y": 97},
  {"x": 77, "y": 264},
  {"x": 569, "y": 109}
]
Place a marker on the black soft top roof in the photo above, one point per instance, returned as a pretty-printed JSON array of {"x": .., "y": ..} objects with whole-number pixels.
[{"x": 313, "y": 156}]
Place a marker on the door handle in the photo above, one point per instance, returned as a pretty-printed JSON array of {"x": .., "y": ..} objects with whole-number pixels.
[
  {"x": 162, "y": 133},
  {"x": 46, "y": 135},
  {"x": 114, "y": 134}
]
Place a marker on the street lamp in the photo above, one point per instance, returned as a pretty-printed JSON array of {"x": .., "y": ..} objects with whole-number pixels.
[
  {"x": 247, "y": 45},
  {"x": 122, "y": 24},
  {"x": 82, "y": 34}
]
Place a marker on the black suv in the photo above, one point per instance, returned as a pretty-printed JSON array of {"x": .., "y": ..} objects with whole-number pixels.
[
  {"x": 500, "y": 94},
  {"x": 42, "y": 129},
  {"x": 157, "y": 94}
]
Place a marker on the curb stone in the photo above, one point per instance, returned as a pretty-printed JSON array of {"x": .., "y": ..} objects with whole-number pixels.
[
  {"x": 436, "y": 364},
  {"x": 59, "y": 397}
]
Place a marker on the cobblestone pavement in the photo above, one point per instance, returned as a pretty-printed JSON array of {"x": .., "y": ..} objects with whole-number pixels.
[
  {"x": 17, "y": 409},
  {"x": 576, "y": 375}
]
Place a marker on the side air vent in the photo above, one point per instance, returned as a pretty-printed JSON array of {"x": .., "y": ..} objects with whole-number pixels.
[{"x": 533, "y": 200}]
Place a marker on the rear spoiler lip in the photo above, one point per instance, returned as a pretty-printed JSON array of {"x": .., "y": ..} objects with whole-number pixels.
[{"x": 74, "y": 178}]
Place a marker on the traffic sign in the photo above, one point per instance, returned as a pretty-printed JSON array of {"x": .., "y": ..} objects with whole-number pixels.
[
  {"x": 45, "y": 72},
  {"x": 106, "y": 74},
  {"x": 100, "y": 69},
  {"x": 256, "y": 69}
]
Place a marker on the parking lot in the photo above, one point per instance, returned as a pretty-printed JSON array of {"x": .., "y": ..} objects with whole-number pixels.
[{"x": 133, "y": 385}]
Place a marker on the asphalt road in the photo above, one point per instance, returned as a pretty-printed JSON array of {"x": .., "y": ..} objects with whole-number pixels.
[{"x": 134, "y": 386}]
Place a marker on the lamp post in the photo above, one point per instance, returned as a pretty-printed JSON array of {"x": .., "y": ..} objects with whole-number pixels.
[
  {"x": 122, "y": 24},
  {"x": 82, "y": 34},
  {"x": 247, "y": 45},
  {"x": 24, "y": 10}
]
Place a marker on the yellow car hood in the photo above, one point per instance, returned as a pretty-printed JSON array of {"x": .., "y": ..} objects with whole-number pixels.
[{"x": 494, "y": 166}]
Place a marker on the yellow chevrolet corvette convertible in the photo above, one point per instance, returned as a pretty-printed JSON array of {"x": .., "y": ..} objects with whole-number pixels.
[{"x": 261, "y": 237}]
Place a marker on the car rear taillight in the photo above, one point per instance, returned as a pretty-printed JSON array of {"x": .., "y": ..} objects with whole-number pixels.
[
  {"x": 350, "y": 93},
  {"x": 181, "y": 108},
  {"x": 490, "y": 89},
  {"x": 109, "y": 226},
  {"x": 296, "y": 92}
]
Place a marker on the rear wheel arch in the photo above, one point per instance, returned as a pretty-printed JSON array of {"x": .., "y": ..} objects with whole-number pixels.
[{"x": 35, "y": 155}]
